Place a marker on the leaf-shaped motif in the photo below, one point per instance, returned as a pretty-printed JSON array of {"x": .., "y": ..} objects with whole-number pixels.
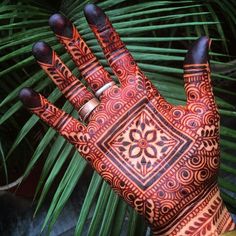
[
  {"x": 135, "y": 151},
  {"x": 163, "y": 138},
  {"x": 160, "y": 143},
  {"x": 164, "y": 149},
  {"x": 150, "y": 151},
  {"x": 138, "y": 165},
  {"x": 150, "y": 135},
  {"x": 122, "y": 149},
  {"x": 125, "y": 143},
  {"x": 143, "y": 161},
  {"x": 135, "y": 135}
]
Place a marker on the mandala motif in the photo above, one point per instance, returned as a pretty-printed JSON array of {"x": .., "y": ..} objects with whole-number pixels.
[{"x": 144, "y": 145}]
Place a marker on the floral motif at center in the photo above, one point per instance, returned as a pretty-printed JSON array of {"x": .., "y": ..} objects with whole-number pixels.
[
  {"x": 145, "y": 145},
  {"x": 142, "y": 144}
]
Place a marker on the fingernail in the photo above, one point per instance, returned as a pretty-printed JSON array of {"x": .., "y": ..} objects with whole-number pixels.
[
  {"x": 61, "y": 25},
  {"x": 198, "y": 52},
  {"x": 29, "y": 98},
  {"x": 94, "y": 15},
  {"x": 42, "y": 52}
]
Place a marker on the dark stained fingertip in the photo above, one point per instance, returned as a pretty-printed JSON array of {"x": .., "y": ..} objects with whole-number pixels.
[
  {"x": 198, "y": 52},
  {"x": 94, "y": 15},
  {"x": 61, "y": 25},
  {"x": 29, "y": 98},
  {"x": 42, "y": 52}
]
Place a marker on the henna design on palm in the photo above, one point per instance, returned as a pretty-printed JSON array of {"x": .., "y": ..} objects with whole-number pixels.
[{"x": 162, "y": 159}]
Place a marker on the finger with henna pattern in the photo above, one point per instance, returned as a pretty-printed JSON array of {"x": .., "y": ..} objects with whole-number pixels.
[
  {"x": 119, "y": 58},
  {"x": 62, "y": 122},
  {"x": 197, "y": 73},
  {"x": 89, "y": 66},
  {"x": 69, "y": 85}
]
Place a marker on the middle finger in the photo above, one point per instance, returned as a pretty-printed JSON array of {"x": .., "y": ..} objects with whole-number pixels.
[{"x": 91, "y": 70}]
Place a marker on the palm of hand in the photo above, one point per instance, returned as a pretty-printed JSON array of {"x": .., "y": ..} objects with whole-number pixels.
[{"x": 160, "y": 158}]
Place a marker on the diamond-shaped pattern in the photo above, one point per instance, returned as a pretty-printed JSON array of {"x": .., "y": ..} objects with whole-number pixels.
[{"x": 145, "y": 145}]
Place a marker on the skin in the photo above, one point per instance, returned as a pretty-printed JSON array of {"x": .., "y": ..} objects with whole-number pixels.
[{"x": 161, "y": 159}]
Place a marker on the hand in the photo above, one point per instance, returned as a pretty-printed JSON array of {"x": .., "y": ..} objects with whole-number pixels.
[{"x": 162, "y": 159}]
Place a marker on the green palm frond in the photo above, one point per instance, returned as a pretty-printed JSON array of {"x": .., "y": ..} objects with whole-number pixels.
[{"x": 157, "y": 34}]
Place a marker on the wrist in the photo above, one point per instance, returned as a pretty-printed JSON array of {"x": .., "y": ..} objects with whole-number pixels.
[{"x": 207, "y": 216}]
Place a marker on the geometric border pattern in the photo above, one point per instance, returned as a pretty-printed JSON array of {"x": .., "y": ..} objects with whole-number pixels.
[{"x": 182, "y": 144}]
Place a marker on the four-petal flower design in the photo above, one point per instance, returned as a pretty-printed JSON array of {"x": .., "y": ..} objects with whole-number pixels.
[
  {"x": 145, "y": 145},
  {"x": 142, "y": 142}
]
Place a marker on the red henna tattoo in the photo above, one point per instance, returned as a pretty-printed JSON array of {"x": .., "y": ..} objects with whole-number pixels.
[
  {"x": 87, "y": 63},
  {"x": 117, "y": 55},
  {"x": 162, "y": 159},
  {"x": 69, "y": 85}
]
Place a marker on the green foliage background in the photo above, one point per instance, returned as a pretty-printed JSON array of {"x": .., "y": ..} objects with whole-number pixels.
[{"x": 157, "y": 33}]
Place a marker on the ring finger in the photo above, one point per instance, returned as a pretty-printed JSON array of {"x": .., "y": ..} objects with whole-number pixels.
[{"x": 69, "y": 85}]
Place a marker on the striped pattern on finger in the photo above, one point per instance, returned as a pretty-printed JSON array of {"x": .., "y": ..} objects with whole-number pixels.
[
  {"x": 69, "y": 85},
  {"x": 91, "y": 70}
]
